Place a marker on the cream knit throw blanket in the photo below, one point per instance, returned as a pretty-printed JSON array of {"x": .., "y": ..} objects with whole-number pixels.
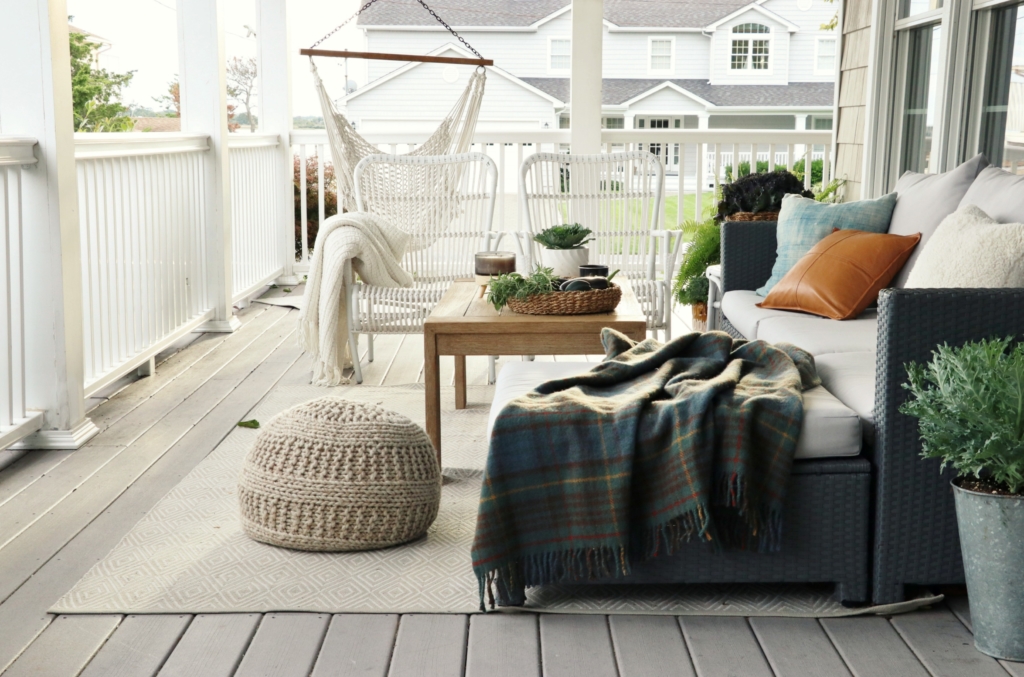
[{"x": 375, "y": 249}]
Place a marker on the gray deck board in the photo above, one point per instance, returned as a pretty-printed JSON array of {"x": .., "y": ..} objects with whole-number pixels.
[
  {"x": 961, "y": 608},
  {"x": 798, "y": 646},
  {"x": 357, "y": 644},
  {"x": 139, "y": 647},
  {"x": 430, "y": 644},
  {"x": 503, "y": 645},
  {"x": 285, "y": 645},
  {"x": 65, "y": 647},
  {"x": 723, "y": 647},
  {"x": 871, "y": 647},
  {"x": 944, "y": 645},
  {"x": 212, "y": 646},
  {"x": 576, "y": 646},
  {"x": 25, "y": 471},
  {"x": 649, "y": 645},
  {"x": 23, "y": 614}
]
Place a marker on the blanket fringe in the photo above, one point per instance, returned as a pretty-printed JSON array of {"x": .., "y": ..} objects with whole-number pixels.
[{"x": 568, "y": 566}]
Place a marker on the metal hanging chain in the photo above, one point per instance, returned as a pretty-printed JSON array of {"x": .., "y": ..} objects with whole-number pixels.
[{"x": 425, "y": 6}]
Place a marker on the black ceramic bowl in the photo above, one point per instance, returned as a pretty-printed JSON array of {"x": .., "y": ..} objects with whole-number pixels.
[{"x": 593, "y": 270}]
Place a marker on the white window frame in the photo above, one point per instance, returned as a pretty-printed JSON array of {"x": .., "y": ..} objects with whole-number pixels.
[
  {"x": 835, "y": 56},
  {"x": 651, "y": 70},
  {"x": 769, "y": 37},
  {"x": 559, "y": 71}
]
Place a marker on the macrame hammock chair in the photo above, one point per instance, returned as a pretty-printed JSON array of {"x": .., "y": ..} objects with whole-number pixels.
[{"x": 454, "y": 135}]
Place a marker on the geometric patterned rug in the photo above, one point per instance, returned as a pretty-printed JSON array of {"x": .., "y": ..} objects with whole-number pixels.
[{"x": 189, "y": 554}]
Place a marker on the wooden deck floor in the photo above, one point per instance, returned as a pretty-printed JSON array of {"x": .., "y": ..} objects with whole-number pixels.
[{"x": 60, "y": 512}]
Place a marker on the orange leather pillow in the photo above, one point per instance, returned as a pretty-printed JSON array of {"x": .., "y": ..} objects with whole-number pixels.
[{"x": 842, "y": 274}]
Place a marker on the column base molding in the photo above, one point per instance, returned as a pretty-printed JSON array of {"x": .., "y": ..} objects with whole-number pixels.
[
  {"x": 219, "y": 326},
  {"x": 79, "y": 434}
]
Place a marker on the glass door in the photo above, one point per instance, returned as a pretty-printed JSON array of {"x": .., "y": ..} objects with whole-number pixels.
[{"x": 1001, "y": 132}]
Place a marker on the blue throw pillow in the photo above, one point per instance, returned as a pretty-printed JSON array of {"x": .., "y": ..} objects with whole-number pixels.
[{"x": 804, "y": 222}]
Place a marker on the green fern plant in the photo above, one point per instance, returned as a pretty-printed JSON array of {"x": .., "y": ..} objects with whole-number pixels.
[
  {"x": 568, "y": 236},
  {"x": 513, "y": 285},
  {"x": 705, "y": 250},
  {"x": 969, "y": 402}
]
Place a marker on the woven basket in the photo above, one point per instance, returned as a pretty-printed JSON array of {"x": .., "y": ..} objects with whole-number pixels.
[
  {"x": 569, "y": 302},
  {"x": 752, "y": 216}
]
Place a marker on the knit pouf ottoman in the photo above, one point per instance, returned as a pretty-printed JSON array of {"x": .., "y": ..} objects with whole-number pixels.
[{"x": 338, "y": 475}]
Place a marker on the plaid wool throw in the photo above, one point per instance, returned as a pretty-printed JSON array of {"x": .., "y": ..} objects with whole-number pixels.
[{"x": 657, "y": 445}]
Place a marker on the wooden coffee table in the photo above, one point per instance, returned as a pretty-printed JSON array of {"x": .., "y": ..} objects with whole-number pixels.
[{"x": 464, "y": 323}]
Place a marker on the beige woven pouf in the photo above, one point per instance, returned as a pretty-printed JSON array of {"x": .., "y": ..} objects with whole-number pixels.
[{"x": 338, "y": 475}]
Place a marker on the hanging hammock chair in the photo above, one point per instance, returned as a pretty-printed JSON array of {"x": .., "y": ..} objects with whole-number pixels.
[{"x": 454, "y": 135}]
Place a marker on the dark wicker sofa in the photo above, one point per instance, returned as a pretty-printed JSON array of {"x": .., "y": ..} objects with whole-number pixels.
[{"x": 914, "y": 531}]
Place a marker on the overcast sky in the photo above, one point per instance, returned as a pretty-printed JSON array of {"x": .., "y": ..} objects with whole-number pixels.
[{"x": 144, "y": 38}]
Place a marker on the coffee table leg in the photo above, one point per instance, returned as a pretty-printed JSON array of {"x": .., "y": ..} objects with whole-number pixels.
[
  {"x": 432, "y": 381},
  {"x": 460, "y": 381}
]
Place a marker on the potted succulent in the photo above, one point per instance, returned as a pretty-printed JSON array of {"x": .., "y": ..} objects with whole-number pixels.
[
  {"x": 758, "y": 197},
  {"x": 691, "y": 285},
  {"x": 970, "y": 405},
  {"x": 563, "y": 248}
]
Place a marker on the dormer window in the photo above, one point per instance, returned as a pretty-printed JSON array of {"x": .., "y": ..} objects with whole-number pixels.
[{"x": 750, "y": 53}]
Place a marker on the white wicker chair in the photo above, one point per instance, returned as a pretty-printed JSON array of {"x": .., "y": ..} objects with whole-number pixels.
[
  {"x": 447, "y": 203},
  {"x": 618, "y": 196}
]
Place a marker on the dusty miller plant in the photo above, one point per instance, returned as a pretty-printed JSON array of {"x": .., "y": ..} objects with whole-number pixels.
[{"x": 970, "y": 405}]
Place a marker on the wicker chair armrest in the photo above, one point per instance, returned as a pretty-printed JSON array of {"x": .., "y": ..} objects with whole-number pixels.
[
  {"x": 748, "y": 253},
  {"x": 916, "y": 531}
]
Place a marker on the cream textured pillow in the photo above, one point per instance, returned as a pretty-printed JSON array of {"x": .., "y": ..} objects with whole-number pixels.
[{"x": 970, "y": 249}]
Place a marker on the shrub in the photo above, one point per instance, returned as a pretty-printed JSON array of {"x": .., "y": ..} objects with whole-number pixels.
[
  {"x": 313, "y": 198},
  {"x": 759, "y": 193},
  {"x": 970, "y": 405}
]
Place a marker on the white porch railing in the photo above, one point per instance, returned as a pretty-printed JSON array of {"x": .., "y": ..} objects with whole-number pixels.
[
  {"x": 16, "y": 421},
  {"x": 255, "y": 234},
  {"x": 142, "y": 223},
  {"x": 689, "y": 183}
]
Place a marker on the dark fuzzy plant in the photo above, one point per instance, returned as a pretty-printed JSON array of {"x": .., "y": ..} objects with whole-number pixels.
[
  {"x": 970, "y": 405},
  {"x": 759, "y": 193}
]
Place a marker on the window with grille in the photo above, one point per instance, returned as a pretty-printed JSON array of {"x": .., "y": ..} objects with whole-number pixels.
[
  {"x": 561, "y": 54},
  {"x": 751, "y": 28},
  {"x": 825, "y": 60},
  {"x": 661, "y": 54},
  {"x": 759, "y": 55},
  {"x": 613, "y": 123},
  {"x": 740, "y": 54}
]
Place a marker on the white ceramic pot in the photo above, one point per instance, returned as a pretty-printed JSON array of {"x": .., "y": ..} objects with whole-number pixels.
[{"x": 565, "y": 262}]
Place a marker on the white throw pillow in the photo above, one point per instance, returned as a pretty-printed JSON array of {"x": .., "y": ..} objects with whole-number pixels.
[{"x": 970, "y": 249}]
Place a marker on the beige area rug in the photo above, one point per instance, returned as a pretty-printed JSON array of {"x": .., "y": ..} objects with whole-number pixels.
[{"x": 189, "y": 555}]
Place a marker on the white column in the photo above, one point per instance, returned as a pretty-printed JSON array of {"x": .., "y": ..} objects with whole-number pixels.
[
  {"x": 802, "y": 121},
  {"x": 702, "y": 120},
  {"x": 585, "y": 83},
  {"x": 35, "y": 100},
  {"x": 201, "y": 65},
  {"x": 275, "y": 97}
]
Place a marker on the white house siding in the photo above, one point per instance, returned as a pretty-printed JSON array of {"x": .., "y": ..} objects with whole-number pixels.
[
  {"x": 417, "y": 100},
  {"x": 778, "y": 55},
  {"x": 626, "y": 55},
  {"x": 668, "y": 101},
  {"x": 803, "y": 43}
]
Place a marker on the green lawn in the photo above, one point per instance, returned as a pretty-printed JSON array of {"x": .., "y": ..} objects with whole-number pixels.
[{"x": 672, "y": 207}]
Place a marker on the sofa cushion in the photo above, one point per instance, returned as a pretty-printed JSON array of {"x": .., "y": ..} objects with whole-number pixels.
[
  {"x": 971, "y": 250},
  {"x": 820, "y": 336},
  {"x": 999, "y": 194},
  {"x": 829, "y": 429},
  {"x": 924, "y": 200},
  {"x": 804, "y": 222},
  {"x": 851, "y": 378},
  {"x": 740, "y": 308},
  {"x": 842, "y": 274}
]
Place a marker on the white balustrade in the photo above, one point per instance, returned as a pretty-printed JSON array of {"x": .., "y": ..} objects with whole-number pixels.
[
  {"x": 255, "y": 233},
  {"x": 143, "y": 243},
  {"x": 16, "y": 421}
]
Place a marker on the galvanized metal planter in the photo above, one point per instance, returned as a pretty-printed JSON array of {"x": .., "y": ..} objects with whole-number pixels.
[{"x": 992, "y": 541}]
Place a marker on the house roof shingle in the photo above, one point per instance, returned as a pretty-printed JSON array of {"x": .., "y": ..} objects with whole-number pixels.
[
  {"x": 616, "y": 91},
  {"x": 626, "y": 13}
]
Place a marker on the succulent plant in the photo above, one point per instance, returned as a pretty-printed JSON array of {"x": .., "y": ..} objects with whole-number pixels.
[{"x": 568, "y": 236}]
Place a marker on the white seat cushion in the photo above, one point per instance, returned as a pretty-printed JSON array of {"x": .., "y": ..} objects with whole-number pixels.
[
  {"x": 851, "y": 378},
  {"x": 829, "y": 430},
  {"x": 740, "y": 308},
  {"x": 819, "y": 335}
]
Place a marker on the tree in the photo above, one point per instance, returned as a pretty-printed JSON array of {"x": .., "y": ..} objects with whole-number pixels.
[
  {"x": 172, "y": 99},
  {"x": 833, "y": 22},
  {"x": 241, "y": 76},
  {"x": 96, "y": 92}
]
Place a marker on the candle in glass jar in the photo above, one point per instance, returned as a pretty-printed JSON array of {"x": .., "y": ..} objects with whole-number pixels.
[{"x": 495, "y": 263}]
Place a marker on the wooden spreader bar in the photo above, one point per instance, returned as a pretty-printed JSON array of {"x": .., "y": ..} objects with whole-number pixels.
[{"x": 383, "y": 56}]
